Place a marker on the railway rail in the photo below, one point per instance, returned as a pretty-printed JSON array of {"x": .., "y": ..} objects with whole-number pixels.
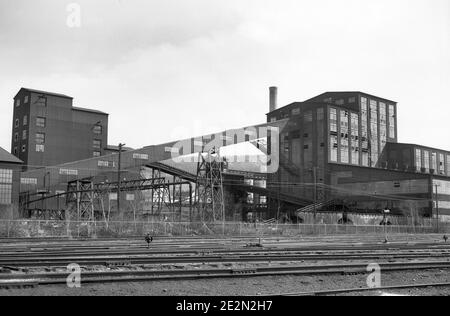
[
  {"x": 154, "y": 275},
  {"x": 121, "y": 260},
  {"x": 362, "y": 290}
]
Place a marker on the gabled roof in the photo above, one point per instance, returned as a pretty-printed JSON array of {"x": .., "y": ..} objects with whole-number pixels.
[
  {"x": 7, "y": 157},
  {"x": 88, "y": 110},
  {"x": 44, "y": 92}
]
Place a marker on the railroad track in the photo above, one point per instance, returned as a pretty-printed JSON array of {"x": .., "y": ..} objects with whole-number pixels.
[
  {"x": 362, "y": 290},
  {"x": 226, "y": 258},
  {"x": 163, "y": 247},
  {"x": 155, "y": 275},
  {"x": 39, "y": 257}
]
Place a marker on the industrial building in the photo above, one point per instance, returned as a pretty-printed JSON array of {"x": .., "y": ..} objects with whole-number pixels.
[
  {"x": 344, "y": 146},
  {"x": 10, "y": 168},
  {"x": 334, "y": 153},
  {"x": 48, "y": 130}
]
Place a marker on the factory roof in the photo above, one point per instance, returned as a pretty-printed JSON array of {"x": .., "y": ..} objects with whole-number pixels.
[
  {"x": 7, "y": 157},
  {"x": 45, "y": 92}
]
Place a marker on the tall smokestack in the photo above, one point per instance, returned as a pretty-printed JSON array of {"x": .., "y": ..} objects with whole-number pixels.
[{"x": 273, "y": 98}]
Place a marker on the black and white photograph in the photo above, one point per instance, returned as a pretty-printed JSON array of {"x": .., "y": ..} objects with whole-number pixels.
[{"x": 224, "y": 155}]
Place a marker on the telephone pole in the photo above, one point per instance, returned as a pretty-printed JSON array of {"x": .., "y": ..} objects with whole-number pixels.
[
  {"x": 119, "y": 179},
  {"x": 437, "y": 208},
  {"x": 314, "y": 170}
]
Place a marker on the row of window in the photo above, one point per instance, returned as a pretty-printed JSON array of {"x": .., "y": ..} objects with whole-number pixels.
[
  {"x": 437, "y": 163},
  {"x": 373, "y": 122},
  {"x": 40, "y": 122},
  {"x": 25, "y": 101},
  {"x": 39, "y": 148}
]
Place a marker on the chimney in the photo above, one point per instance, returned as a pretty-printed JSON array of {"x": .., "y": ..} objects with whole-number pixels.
[{"x": 273, "y": 98}]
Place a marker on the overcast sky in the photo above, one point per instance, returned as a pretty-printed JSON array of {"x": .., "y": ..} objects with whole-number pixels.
[{"x": 168, "y": 69}]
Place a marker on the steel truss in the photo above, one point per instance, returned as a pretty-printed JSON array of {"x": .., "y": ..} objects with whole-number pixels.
[
  {"x": 209, "y": 193},
  {"x": 84, "y": 199}
]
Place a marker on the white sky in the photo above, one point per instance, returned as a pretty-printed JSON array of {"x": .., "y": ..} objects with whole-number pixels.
[{"x": 170, "y": 69}]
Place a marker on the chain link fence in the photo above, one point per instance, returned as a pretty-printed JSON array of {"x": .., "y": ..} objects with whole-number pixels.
[{"x": 97, "y": 229}]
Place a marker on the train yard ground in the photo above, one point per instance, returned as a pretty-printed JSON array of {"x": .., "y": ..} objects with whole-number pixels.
[{"x": 233, "y": 266}]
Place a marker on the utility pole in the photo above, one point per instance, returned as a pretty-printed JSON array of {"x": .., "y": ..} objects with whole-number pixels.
[
  {"x": 314, "y": 170},
  {"x": 119, "y": 178},
  {"x": 437, "y": 208}
]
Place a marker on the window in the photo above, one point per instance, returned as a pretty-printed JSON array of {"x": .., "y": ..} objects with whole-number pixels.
[
  {"x": 40, "y": 148},
  {"x": 355, "y": 138},
  {"x": 40, "y": 138},
  {"x": 273, "y": 119},
  {"x": 383, "y": 126},
  {"x": 333, "y": 121},
  {"x": 17, "y": 102},
  {"x": 24, "y": 148},
  {"x": 97, "y": 144},
  {"x": 141, "y": 156},
  {"x": 32, "y": 181},
  {"x": 97, "y": 129},
  {"x": 364, "y": 133},
  {"x": 418, "y": 160},
  {"x": 16, "y": 151},
  {"x": 340, "y": 102},
  {"x": 25, "y": 120},
  {"x": 333, "y": 148},
  {"x": 40, "y": 121},
  {"x": 5, "y": 193},
  {"x": 69, "y": 172},
  {"x": 352, "y": 100},
  {"x": 426, "y": 160},
  {"x": 24, "y": 134},
  {"x": 97, "y": 154},
  {"x": 434, "y": 162},
  {"x": 441, "y": 164},
  {"x": 6, "y": 175},
  {"x": 16, "y": 137},
  {"x": 296, "y": 111},
  {"x": 448, "y": 165},
  {"x": 25, "y": 100},
  {"x": 106, "y": 164},
  {"x": 344, "y": 136},
  {"x": 16, "y": 123},
  {"x": 391, "y": 121},
  {"x": 373, "y": 143},
  {"x": 308, "y": 116}
]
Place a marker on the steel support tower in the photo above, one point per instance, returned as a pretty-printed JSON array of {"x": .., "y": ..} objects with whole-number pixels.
[{"x": 209, "y": 187}]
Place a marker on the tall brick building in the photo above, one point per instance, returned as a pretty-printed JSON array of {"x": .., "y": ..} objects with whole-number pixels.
[{"x": 49, "y": 130}]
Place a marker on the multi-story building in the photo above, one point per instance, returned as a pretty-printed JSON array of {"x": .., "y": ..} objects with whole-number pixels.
[
  {"x": 48, "y": 130},
  {"x": 9, "y": 184},
  {"x": 344, "y": 145}
]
